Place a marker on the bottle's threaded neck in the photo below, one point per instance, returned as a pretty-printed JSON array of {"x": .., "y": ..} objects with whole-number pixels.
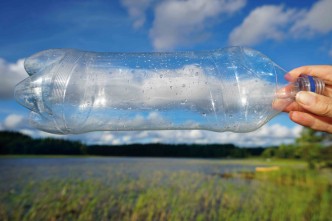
[{"x": 310, "y": 83}]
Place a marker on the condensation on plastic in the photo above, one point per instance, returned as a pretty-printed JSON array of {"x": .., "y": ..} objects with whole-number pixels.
[{"x": 233, "y": 89}]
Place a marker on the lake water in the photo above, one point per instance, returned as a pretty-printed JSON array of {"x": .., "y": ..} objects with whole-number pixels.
[{"x": 16, "y": 172}]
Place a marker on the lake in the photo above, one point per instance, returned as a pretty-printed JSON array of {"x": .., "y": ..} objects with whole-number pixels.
[{"x": 19, "y": 171}]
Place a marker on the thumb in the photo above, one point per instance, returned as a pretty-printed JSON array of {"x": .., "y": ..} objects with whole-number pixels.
[{"x": 315, "y": 103}]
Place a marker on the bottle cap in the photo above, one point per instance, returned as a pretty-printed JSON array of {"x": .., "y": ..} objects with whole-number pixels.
[{"x": 310, "y": 83}]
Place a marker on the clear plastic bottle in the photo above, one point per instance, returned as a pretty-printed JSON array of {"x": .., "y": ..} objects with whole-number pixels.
[{"x": 233, "y": 89}]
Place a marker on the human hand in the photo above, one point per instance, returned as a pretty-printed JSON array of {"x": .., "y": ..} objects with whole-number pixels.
[{"x": 311, "y": 109}]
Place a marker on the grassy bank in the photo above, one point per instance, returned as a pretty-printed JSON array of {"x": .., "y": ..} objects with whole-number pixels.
[{"x": 112, "y": 193}]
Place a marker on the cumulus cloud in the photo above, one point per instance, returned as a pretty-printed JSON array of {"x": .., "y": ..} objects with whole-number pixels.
[
  {"x": 14, "y": 121},
  {"x": 268, "y": 135},
  {"x": 10, "y": 75},
  {"x": 315, "y": 20},
  {"x": 137, "y": 10},
  {"x": 276, "y": 22},
  {"x": 265, "y": 22},
  {"x": 178, "y": 22}
]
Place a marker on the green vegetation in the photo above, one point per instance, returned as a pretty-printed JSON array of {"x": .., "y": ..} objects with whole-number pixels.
[
  {"x": 146, "y": 191},
  {"x": 312, "y": 146}
]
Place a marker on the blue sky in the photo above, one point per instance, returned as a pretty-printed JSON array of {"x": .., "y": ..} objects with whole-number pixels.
[{"x": 292, "y": 33}]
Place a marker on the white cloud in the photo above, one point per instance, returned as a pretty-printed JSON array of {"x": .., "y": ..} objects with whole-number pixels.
[
  {"x": 14, "y": 121},
  {"x": 10, "y": 75},
  {"x": 268, "y": 135},
  {"x": 180, "y": 22},
  {"x": 315, "y": 20},
  {"x": 277, "y": 22},
  {"x": 265, "y": 22},
  {"x": 136, "y": 10}
]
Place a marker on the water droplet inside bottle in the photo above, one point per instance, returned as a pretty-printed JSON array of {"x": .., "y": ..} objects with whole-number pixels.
[
  {"x": 204, "y": 114},
  {"x": 183, "y": 102},
  {"x": 183, "y": 85},
  {"x": 161, "y": 76}
]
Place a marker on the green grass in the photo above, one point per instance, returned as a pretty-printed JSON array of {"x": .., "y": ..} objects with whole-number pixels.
[{"x": 293, "y": 193}]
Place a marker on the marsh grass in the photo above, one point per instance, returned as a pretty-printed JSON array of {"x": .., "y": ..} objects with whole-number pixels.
[{"x": 133, "y": 193}]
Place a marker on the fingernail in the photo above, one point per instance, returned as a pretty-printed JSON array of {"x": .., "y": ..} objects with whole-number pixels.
[
  {"x": 306, "y": 98},
  {"x": 289, "y": 77}
]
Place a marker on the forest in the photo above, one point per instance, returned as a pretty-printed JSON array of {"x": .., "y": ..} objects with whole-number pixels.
[{"x": 18, "y": 143}]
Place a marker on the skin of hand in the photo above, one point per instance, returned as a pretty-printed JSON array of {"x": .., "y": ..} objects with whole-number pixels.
[{"x": 311, "y": 109}]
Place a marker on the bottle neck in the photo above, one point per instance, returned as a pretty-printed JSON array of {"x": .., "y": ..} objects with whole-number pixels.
[{"x": 309, "y": 83}]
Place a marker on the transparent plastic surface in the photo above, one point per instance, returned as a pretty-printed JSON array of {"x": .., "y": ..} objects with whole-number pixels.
[{"x": 231, "y": 89}]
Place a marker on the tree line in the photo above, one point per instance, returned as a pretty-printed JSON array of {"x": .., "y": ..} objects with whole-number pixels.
[
  {"x": 18, "y": 143},
  {"x": 312, "y": 146}
]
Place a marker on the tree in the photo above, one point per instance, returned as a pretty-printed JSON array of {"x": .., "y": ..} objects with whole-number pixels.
[
  {"x": 286, "y": 151},
  {"x": 269, "y": 152},
  {"x": 309, "y": 146}
]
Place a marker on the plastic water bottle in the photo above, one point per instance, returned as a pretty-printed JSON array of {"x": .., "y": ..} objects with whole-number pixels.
[{"x": 233, "y": 89}]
